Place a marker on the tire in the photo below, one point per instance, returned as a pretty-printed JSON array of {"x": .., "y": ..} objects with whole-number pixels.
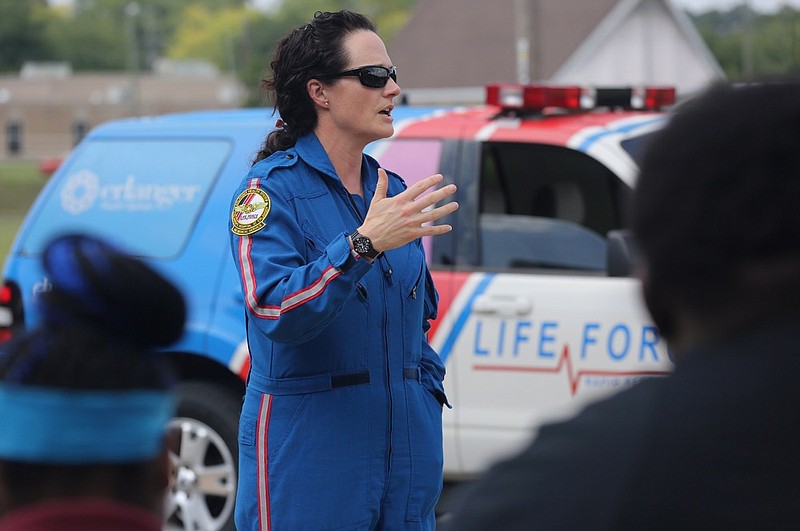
[{"x": 204, "y": 456}]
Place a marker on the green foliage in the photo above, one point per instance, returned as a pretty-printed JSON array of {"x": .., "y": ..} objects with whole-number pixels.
[
  {"x": 87, "y": 42},
  {"x": 749, "y": 45},
  {"x": 95, "y": 34},
  {"x": 100, "y": 34},
  {"x": 777, "y": 48},
  {"x": 210, "y": 34},
  {"x": 21, "y": 26},
  {"x": 20, "y": 182},
  {"x": 261, "y": 34}
]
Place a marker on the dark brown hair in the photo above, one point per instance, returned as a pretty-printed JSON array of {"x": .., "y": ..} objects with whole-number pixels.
[{"x": 313, "y": 50}]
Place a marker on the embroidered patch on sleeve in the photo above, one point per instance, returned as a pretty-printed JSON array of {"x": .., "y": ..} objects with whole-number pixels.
[{"x": 249, "y": 211}]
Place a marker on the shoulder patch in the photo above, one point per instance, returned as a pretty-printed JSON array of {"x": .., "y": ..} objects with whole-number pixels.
[{"x": 249, "y": 211}]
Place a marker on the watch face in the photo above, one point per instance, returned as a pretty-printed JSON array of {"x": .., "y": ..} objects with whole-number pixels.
[{"x": 362, "y": 245}]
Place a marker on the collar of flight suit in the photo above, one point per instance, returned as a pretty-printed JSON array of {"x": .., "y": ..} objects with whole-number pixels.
[{"x": 310, "y": 150}]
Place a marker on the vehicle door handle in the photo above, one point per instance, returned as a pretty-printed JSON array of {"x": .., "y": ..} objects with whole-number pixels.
[{"x": 502, "y": 304}]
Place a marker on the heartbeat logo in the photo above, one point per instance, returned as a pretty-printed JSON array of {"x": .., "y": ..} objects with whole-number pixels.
[{"x": 573, "y": 377}]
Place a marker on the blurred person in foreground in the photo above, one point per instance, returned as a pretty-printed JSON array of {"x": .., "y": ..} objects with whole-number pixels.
[
  {"x": 714, "y": 445},
  {"x": 84, "y": 400}
]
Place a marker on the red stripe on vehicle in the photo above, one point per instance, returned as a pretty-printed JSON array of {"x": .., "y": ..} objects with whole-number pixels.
[{"x": 447, "y": 284}]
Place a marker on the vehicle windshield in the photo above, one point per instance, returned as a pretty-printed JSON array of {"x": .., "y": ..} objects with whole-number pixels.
[
  {"x": 135, "y": 193},
  {"x": 635, "y": 146}
]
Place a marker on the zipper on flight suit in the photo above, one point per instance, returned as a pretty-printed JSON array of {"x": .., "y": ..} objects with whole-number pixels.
[{"x": 386, "y": 268}]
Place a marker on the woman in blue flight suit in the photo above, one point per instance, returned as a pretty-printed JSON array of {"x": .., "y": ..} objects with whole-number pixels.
[{"x": 341, "y": 424}]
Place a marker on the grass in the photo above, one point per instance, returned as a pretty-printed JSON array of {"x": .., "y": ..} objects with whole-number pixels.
[{"x": 20, "y": 182}]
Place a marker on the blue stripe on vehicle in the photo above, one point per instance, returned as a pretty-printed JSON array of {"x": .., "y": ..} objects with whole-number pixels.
[
  {"x": 461, "y": 322},
  {"x": 591, "y": 139}
]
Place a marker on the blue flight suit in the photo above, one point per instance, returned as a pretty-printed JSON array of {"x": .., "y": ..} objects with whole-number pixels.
[{"x": 341, "y": 423}]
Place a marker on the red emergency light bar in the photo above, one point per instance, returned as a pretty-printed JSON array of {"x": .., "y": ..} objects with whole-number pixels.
[{"x": 534, "y": 98}]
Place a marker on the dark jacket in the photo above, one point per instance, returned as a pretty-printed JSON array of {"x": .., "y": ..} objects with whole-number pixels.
[{"x": 712, "y": 446}]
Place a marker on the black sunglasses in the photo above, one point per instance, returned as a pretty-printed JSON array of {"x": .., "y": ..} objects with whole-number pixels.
[{"x": 371, "y": 76}]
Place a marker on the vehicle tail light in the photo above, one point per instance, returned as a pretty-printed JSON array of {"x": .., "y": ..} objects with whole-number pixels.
[
  {"x": 10, "y": 311},
  {"x": 652, "y": 97},
  {"x": 534, "y": 97},
  {"x": 505, "y": 96},
  {"x": 541, "y": 97}
]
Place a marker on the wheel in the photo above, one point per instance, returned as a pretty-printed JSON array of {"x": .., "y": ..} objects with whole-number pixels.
[{"x": 204, "y": 455}]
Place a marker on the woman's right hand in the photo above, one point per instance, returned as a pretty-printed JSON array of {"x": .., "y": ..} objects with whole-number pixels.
[{"x": 394, "y": 221}]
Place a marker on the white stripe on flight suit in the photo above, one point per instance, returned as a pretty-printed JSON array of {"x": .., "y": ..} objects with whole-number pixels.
[
  {"x": 291, "y": 301},
  {"x": 262, "y": 464}
]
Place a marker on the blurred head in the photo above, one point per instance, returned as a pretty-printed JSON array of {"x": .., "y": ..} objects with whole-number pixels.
[
  {"x": 716, "y": 213},
  {"x": 331, "y": 43},
  {"x": 85, "y": 399}
]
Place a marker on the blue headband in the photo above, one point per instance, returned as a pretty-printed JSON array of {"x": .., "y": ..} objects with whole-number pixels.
[{"x": 47, "y": 425}]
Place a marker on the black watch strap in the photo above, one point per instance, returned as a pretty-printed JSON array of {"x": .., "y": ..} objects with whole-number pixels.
[{"x": 363, "y": 246}]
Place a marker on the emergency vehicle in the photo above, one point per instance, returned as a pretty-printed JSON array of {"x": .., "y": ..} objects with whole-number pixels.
[{"x": 537, "y": 312}]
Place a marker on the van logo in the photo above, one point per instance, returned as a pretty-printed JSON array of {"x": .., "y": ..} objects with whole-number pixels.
[
  {"x": 83, "y": 190},
  {"x": 41, "y": 287},
  {"x": 80, "y": 192},
  {"x": 249, "y": 211}
]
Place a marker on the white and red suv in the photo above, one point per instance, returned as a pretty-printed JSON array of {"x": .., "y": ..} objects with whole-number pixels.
[{"x": 537, "y": 314}]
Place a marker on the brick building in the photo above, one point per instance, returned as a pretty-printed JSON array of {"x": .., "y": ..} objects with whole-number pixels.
[{"x": 44, "y": 111}]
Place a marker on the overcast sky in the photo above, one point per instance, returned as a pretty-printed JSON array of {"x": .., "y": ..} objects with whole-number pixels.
[
  {"x": 699, "y": 6},
  {"x": 695, "y": 6}
]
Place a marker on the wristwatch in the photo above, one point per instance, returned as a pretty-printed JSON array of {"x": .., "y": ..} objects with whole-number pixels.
[{"x": 363, "y": 246}]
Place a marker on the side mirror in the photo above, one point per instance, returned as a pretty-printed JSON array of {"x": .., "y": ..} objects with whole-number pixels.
[{"x": 620, "y": 254}]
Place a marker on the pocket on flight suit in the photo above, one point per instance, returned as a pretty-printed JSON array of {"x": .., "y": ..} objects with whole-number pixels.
[
  {"x": 427, "y": 459},
  {"x": 319, "y": 459},
  {"x": 424, "y": 412}
]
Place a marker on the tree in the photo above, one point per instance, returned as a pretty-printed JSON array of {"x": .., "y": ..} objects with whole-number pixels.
[
  {"x": 211, "y": 35},
  {"x": 777, "y": 45},
  {"x": 22, "y": 27},
  {"x": 751, "y": 45},
  {"x": 261, "y": 34},
  {"x": 99, "y": 34},
  {"x": 87, "y": 41}
]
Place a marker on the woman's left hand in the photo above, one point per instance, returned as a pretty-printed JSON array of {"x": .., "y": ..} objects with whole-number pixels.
[{"x": 392, "y": 222}]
